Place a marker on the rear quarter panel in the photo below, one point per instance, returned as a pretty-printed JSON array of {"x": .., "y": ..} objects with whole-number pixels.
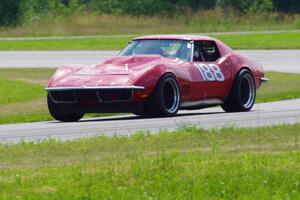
[{"x": 239, "y": 61}]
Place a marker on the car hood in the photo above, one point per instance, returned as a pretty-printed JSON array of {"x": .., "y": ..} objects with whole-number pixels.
[
  {"x": 118, "y": 70},
  {"x": 121, "y": 65}
]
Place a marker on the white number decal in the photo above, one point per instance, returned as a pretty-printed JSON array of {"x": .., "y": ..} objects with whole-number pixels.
[{"x": 210, "y": 72}]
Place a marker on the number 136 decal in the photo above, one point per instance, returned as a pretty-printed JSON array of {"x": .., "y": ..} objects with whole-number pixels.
[{"x": 210, "y": 72}]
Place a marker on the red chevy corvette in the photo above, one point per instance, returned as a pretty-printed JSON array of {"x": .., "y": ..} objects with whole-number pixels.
[{"x": 157, "y": 76}]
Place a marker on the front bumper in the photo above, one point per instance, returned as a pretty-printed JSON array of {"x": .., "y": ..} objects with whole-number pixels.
[
  {"x": 92, "y": 94},
  {"x": 59, "y": 88}
]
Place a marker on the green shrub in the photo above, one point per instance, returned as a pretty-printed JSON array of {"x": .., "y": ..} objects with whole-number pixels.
[
  {"x": 148, "y": 7},
  {"x": 36, "y": 9},
  {"x": 13, "y": 12},
  {"x": 9, "y": 12},
  {"x": 297, "y": 23},
  {"x": 245, "y": 6},
  {"x": 288, "y": 6}
]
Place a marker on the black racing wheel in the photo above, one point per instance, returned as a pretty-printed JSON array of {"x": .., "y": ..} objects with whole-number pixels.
[
  {"x": 165, "y": 99},
  {"x": 64, "y": 117},
  {"x": 243, "y": 93}
]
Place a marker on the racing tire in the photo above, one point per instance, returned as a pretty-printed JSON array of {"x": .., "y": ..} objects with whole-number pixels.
[
  {"x": 243, "y": 93},
  {"x": 66, "y": 117},
  {"x": 165, "y": 99}
]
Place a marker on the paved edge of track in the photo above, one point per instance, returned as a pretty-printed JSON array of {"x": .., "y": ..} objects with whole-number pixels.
[{"x": 263, "y": 114}]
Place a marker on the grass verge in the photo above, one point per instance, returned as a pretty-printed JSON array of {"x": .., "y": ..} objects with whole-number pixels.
[
  {"x": 23, "y": 99},
  {"x": 189, "y": 163},
  {"x": 23, "y": 96},
  {"x": 288, "y": 40},
  {"x": 281, "y": 86},
  {"x": 193, "y": 22}
]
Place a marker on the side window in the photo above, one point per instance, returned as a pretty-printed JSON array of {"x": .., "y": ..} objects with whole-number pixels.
[{"x": 206, "y": 51}]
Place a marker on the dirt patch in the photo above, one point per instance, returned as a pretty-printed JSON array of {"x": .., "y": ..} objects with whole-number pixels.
[{"x": 24, "y": 107}]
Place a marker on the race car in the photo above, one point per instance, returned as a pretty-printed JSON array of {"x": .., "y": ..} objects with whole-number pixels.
[{"x": 156, "y": 76}]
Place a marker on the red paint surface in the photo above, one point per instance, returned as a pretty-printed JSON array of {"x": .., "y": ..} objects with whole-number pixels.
[{"x": 146, "y": 70}]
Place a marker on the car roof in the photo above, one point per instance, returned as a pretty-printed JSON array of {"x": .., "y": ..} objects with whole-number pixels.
[
  {"x": 174, "y": 37},
  {"x": 223, "y": 48}
]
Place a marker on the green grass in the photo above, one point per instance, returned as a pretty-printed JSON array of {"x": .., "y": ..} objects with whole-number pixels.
[
  {"x": 113, "y": 43},
  {"x": 189, "y": 163},
  {"x": 262, "y": 41},
  {"x": 288, "y": 40},
  {"x": 281, "y": 86},
  {"x": 23, "y": 99},
  {"x": 18, "y": 91},
  {"x": 22, "y": 95}
]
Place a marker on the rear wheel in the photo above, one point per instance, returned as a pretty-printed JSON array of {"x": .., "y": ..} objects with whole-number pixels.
[
  {"x": 165, "y": 99},
  {"x": 242, "y": 94},
  {"x": 64, "y": 117}
]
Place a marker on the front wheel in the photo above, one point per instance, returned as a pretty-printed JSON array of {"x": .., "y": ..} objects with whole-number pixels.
[
  {"x": 243, "y": 93},
  {"x": 165, "y": 99},
  {"x": 64, "y": 117}
]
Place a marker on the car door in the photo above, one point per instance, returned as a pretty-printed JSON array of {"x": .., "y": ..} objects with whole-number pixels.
[{"x": 211, "y": 74}]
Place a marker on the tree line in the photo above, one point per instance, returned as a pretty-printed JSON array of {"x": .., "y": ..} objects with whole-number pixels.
[{"x": 14, "y": 12}]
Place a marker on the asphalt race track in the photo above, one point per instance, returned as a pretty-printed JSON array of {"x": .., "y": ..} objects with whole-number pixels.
[
  {"x": 275, "y": 60},
  {"x": 262, "y": 114}
]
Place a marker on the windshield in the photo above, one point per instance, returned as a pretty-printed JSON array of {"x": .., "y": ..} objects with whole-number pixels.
[{"x": 167, "y": 48}]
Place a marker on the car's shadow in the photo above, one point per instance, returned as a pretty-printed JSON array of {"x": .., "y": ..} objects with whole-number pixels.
[{"x": 135, "y": 117}]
